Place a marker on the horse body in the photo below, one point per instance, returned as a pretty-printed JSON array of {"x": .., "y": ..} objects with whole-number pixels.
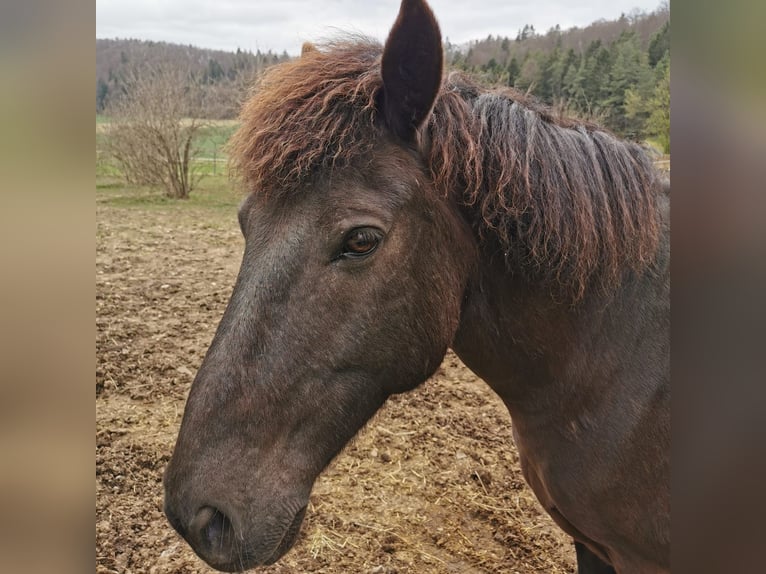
[{"x": 393, "y": 214}]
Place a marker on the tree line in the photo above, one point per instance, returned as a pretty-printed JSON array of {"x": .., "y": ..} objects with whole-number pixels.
[
  {"x": 220, "y": 77},
  {"x": 620, "y": 79}
]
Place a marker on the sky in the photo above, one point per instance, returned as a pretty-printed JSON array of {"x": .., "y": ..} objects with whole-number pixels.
[{"x": 279, "y": 25}]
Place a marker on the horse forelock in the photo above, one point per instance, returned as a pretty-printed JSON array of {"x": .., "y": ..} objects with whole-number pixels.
[
  {"x": 567, "y": 201},
  {"x": 307, "y": 116}
]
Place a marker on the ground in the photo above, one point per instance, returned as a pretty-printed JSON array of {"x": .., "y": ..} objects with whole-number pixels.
[{"x": 431, "y": 484}]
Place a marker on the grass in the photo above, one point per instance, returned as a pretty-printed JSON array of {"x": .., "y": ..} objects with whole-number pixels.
[
  {"x": 213, "y": 192},
  {"x": 212, "y": 138},
  {"x": 210, "y": 142}
]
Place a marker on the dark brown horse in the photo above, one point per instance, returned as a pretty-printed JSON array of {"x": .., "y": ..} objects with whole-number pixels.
[{"x": 392, "y": 214}]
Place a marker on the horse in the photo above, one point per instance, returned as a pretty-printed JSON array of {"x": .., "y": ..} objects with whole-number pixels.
[{"x": 393, "y": 212}]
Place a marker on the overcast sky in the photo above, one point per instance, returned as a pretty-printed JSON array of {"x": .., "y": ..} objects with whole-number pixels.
[{"x": 279, "y": 25}]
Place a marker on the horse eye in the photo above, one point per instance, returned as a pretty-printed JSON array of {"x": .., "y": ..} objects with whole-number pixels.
[{"x": 361, "y": 241}]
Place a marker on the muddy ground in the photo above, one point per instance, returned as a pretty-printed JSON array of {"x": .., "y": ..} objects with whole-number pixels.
[{"x": 432, "y": 484}]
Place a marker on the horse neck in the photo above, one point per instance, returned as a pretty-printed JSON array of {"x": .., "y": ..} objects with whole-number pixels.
[
  {"x": 543, "y": 356},
  {"x": 507, "y": 334}
]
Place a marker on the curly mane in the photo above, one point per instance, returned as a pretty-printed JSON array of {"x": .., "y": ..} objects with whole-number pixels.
[{"x": 310, "y": 114}]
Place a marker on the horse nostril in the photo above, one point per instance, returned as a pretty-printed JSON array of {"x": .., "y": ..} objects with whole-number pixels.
[{"x": 212, "y": 527}]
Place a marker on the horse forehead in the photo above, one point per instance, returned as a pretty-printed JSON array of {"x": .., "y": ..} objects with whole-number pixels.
[
  {"x": 328, "y": 201},
  {"x": 385, "y": 183}
]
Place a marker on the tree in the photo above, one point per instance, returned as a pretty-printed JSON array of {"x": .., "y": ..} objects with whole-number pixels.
[
  {"x": 526, "y": 33},
  {"x": 659, "y": 45},
  {"x": 214, "y": 72},
  {"x": 490, "y": 66},
  {"x": 652, "y": 111},
  {"x": 153, "y": 129},
  {"x": 102, "y": 91},
  {"x": 587, "y": 89},
  {"x": 658, "y": 123},
  {"x": 629, "y": 73},
  {"x": 513, "y": 71},
  {"x": 530, "y": 73}
]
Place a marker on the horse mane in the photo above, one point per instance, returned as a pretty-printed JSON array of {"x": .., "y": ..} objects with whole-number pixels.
[{"x": 567, "y": 202}]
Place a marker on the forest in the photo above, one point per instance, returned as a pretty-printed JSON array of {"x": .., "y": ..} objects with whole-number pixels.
[
  {"x": 613, "y": 72},
  {"x": 616, "y": 73},
  {"x": 223, "y": 77}
]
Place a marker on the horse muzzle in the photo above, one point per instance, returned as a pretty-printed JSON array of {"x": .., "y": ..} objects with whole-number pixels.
[{"x": 225, "y": 545}]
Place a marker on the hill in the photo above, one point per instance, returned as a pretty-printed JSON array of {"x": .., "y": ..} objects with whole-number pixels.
[{"x": 223, "y": 73}]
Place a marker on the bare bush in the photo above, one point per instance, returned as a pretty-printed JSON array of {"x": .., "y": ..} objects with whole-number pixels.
[{"x": 153, "y": 129}]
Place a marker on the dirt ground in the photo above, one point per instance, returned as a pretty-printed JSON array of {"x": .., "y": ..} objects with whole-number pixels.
[{"x": 432, "y": 484}]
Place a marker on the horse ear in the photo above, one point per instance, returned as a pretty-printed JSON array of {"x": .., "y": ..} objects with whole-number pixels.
[
  {"x": 307, "y": 47},
  {"x": 411, "y": 69}
]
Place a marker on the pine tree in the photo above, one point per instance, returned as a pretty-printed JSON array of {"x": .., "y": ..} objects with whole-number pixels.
[
  {"x": 513, "y": 71},
  {"x": 587, "y": 90},
  {"x": 658, "y": 123},
  {"x": 214, "y": 72},
  {"x": 549, "y": 86},
  {"x": 102, "y": 92},
  {"x": 629, "y": 74},
  {"x": 659, "y": 45}
]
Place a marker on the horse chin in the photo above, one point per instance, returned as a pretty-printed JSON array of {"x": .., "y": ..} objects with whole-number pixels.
[{"x": 289, "y": 538}]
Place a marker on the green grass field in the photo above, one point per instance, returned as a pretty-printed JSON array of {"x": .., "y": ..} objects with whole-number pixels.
[
  {"x": 211, "y": 154},
  {"x": 213, "y": 192},
  {"x": 212, "y": 138}
]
